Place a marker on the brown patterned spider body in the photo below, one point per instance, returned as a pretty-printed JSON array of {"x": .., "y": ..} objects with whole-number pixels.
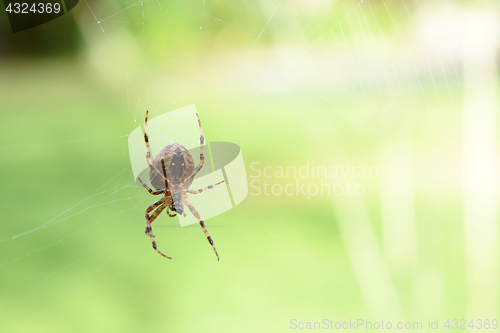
[{"x": 172, "y": 172}]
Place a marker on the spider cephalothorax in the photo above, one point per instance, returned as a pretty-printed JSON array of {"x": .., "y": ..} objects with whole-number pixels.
[{"x": 172, "y": 172}]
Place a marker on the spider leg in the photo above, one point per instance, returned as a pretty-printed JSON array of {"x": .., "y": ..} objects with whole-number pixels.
[
  {"x": 164, "y": 174},
  {"x": 150, "y": 219},
  {"x": 150, "y": 190},
  {"x": 148, "y": 149},
  {"x": 197, "y": 215},
  {"x": 202, "y": 157},
  {"x": 204, "y": 189},
  {"x": 146, "y": 138}
]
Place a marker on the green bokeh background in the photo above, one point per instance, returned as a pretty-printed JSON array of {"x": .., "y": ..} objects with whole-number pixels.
[{"x": 273, "y": 77}]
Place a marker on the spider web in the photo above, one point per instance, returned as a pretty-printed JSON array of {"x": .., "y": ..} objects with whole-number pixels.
[{"x": 342, "y": 83}]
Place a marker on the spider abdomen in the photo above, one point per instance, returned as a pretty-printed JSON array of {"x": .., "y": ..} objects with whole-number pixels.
[{"x": 173, "y": 162}]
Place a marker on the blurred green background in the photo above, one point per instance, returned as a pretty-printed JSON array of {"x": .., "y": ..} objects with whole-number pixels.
[{"x": 409, "y": 88}]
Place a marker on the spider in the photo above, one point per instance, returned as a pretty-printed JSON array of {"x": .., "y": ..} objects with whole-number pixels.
[{"x": 177, "y": 166}]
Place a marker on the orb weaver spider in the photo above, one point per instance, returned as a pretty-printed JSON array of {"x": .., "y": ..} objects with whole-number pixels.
[{"x": 177, "y": 166}]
